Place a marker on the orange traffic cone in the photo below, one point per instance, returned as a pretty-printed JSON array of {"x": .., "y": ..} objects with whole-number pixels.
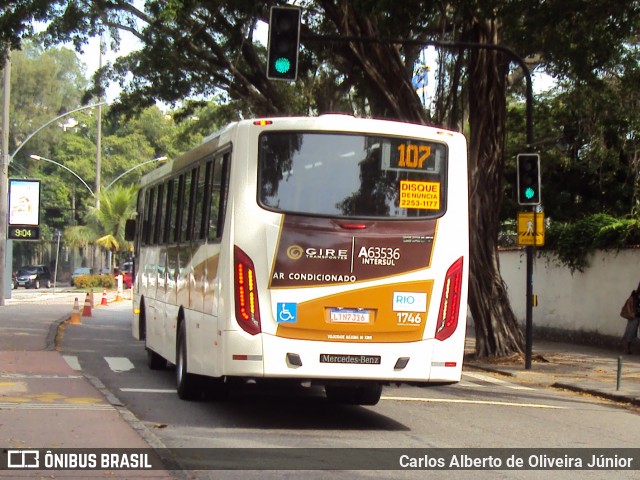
[
  {"x": 86, "y": 311},
  {"x": 75, "y": 319},
  {"x": 104, "y": 297}
]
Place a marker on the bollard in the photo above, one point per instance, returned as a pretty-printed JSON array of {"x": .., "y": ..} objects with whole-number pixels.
[{"x": 619, "y": 372}]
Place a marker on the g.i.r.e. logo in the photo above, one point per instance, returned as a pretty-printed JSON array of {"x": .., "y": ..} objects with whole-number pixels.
[{"x": 295, "y": 252}]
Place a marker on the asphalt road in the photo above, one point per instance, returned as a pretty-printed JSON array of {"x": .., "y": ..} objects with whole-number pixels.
[{"x": 482, "y": 411}]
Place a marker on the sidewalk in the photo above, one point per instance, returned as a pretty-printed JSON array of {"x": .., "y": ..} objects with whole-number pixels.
[
  {"x": 579, "y": 368},
  {"x": 44, "y": 403}
]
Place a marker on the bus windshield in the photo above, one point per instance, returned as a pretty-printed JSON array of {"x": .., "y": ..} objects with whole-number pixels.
[{"x": 351, "y": 175}]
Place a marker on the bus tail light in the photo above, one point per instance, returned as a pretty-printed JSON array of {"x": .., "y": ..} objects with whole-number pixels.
[
  {"x": 450, "y": 301},
  {"x": 246, "y": 290}
]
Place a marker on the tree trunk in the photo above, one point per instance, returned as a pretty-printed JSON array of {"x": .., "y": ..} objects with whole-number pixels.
[
  {"x": 383, "y": 72},
  {"x": 496, "y": 327}
]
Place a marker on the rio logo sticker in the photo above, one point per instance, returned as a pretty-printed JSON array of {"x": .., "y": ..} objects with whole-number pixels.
[
  {"x": 287, "y": 312},
  {"x": 409, "y": 302}
]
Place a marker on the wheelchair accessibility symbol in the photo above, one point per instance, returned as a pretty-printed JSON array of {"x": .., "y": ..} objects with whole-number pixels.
[{"x": 287, "y": 313}]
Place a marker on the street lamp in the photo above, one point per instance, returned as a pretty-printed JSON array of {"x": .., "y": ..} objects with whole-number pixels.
[
  {"x": 6, "y": 253},
  {"x": 57, "y": 234},
  {"x": 38, "y": 157},
  {"x": 159, "y": 159}
]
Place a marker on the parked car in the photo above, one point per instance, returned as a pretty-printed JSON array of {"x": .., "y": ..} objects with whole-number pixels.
[
  {"x": 33, "y": 276},
  {"x": 78, "y": 272}
]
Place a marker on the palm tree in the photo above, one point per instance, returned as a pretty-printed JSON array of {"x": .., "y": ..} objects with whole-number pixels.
[{"x": 105, "y": 224}]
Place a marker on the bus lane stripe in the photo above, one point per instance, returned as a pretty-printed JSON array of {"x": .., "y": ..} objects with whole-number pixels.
[{"x": 472, "y": 402}]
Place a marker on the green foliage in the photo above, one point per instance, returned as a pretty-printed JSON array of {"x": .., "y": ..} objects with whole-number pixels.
[
  {"x": 199, "y": 49},
  {"x": 573, "y": 242},
  {"x": 84, "y": 282}
]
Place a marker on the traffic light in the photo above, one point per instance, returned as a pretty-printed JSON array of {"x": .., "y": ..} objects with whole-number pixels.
[
  {"x": 528, "y": 179},
  {"x": 284, "y": 43}
]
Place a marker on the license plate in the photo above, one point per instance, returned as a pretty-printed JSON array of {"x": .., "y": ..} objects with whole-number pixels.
[{"x": 344, "y": 315}]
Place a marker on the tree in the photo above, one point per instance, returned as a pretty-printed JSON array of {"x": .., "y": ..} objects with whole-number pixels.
[
  {"x": 195, "y": 49},
  {"x": 105, "y": 224}
]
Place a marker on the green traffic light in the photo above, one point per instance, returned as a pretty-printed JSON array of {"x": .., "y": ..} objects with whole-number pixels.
[
  {"x": 529, "y": 193},
  {"x": 282, "y": 65}
]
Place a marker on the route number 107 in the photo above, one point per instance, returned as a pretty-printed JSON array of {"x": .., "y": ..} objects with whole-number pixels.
[{"x": 413, "y": 156}]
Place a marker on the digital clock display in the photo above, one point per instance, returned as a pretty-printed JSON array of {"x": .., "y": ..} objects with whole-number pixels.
[{"x": 24, "y": 233}]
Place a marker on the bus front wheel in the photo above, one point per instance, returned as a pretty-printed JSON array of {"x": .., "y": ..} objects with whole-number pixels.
[{"x": 188, "y": 384}]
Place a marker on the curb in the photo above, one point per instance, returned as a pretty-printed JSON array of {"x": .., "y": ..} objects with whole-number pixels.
[
  {"x": 50, "y": 344},
  {"x": 490, "y": 370},
  {"x": 618, "y": 398},
  {"x": 615, "y": 397},
  {"x": 163, "y": 452}
]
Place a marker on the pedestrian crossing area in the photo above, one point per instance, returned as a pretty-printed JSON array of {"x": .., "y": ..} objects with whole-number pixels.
[{"x": 471, "y": 380}]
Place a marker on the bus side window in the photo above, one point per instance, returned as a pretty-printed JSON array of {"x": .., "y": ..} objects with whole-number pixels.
[
  {"x": 178, "y": 194},
  {"x": 203, "y": 219},
  {"x": 151, "y": 217},
  {"x": 159, "y": 217},
  {"x": 218, "y": 196},
  {"x": 169, "y": 212},
  {"x": 199, "y": 209},
  {"x": 144, "y": 218},
  {"x": 189, "y": 205}
]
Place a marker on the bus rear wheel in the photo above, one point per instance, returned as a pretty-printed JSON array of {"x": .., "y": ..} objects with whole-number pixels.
[
  {"x": 354, "y": 394},
  {"x": 188, "y": 384}
]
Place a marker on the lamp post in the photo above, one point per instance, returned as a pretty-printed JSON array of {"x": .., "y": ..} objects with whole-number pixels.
[
  {"x": 57, "y": 234},
  {"x": 38, "y": 157},
  {"x": 5, "y": 245},
  {"x": 159, "y": 159},
  {"x": 4, "y": 175}
]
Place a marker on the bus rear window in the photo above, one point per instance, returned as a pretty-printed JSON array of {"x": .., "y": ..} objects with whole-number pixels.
[{"x": 350, "y": 175}]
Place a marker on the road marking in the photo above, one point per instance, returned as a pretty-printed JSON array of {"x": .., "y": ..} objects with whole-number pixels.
[
  {"x": 148, "y": 390},
  {"x": 462, "y": 383},
  {"x": 72, "y": 361},
  {"x": 495, "y": 381},
  {"x": 37, "y": 375},
  {"x": 119, "y": 364},
  {"x": 55, "y": 406},
  {"x": 473, "y": 402}
]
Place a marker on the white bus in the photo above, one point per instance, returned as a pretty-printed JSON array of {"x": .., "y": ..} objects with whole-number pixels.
[{"x": 329, "y": 250}]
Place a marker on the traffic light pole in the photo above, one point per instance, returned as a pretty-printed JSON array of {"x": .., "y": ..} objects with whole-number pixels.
[
  {"x": 529, "y": 138},
  {"x": 528, "y": 337}
]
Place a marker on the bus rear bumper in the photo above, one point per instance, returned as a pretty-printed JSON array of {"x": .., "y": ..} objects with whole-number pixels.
[{"x": 422, "y": 361}]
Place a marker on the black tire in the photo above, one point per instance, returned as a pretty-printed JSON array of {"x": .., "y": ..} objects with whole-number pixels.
[
  {"x": 188, "y": 384},
  {"x": 354, "y": 395}
]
